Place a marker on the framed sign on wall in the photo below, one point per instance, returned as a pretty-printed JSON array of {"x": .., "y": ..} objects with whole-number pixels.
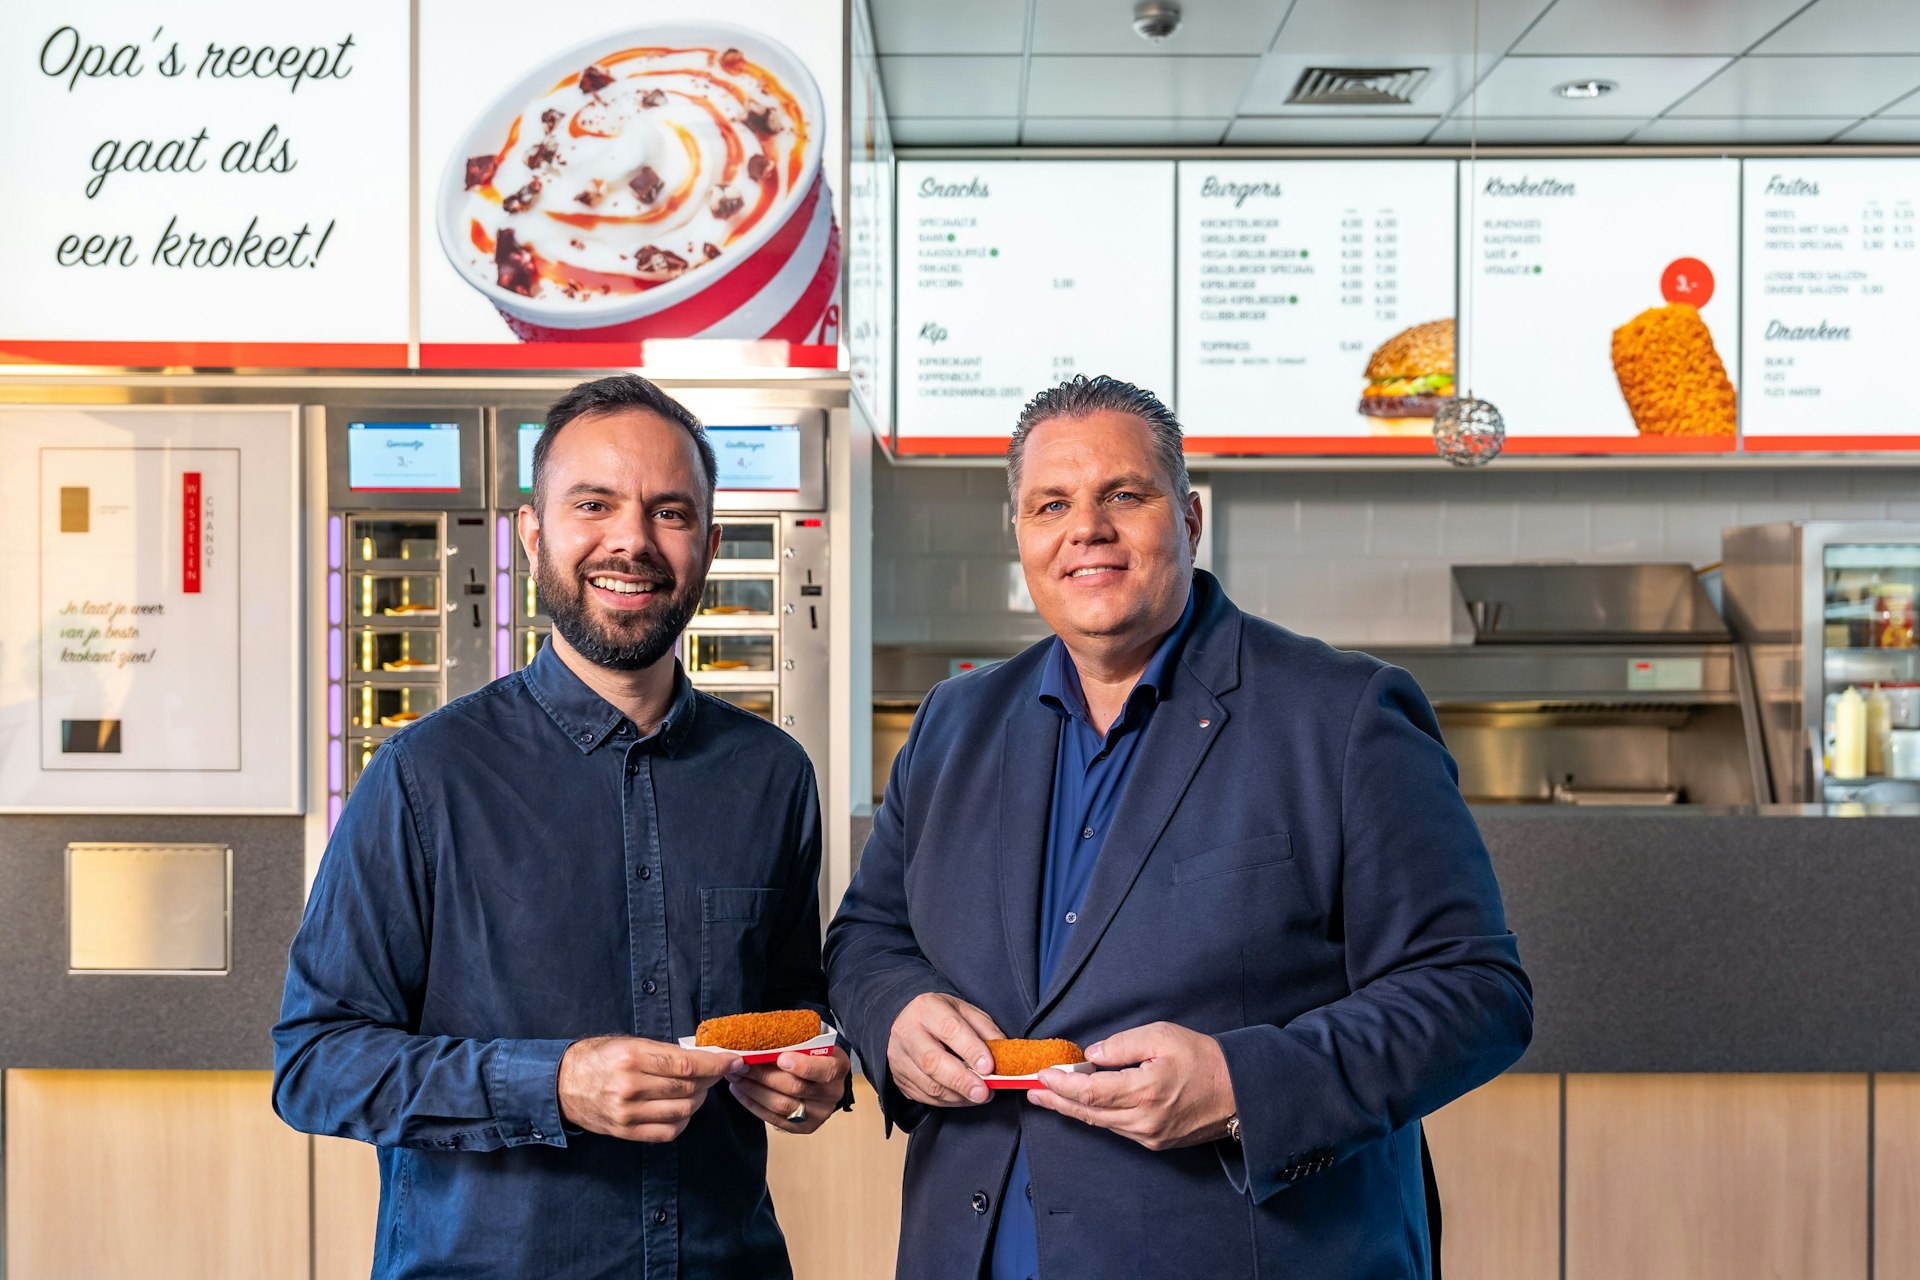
[{"x": 149, "y": 658}]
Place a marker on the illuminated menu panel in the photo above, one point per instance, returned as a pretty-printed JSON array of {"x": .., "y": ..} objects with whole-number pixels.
[
  {"x": 1017, "y": 275},
  {"x": 403, "y": 457},
  {"x": 757, "y": 459},
  {"x": 1832, "y": 267},
  {"x": 1600, "y": 302},
  {"x": 1292, "y": 274}
]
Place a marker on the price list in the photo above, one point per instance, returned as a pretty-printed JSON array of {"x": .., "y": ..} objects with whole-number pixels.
[
  {"x": 1600, "y": 301},
  {"x": 1291, "y": 275},
  {"x": 1016, "y": 276},
  {"x": 1832, "y": 280}
]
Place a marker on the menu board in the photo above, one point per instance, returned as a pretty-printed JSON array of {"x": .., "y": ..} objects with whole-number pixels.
[
  {"x": 1293, "y": 276},
  {"x": 1833, "y": 285},
  {"x": 1600, "y": 302},
  {"x": 602, "y": 182},
  {"x": 152, "y": 571},
  {"x": 1017, "y": 275},
  {"x": 205, "y": 184}
]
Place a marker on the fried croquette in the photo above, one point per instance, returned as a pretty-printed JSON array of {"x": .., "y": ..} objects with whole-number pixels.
[
  {"x": 752, "y": 1032},
  {"x": 1024, "y": 1057},
  {"x": 1670, "y": 375}
]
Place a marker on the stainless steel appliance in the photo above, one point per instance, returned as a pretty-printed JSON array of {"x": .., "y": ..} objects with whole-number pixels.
[
  {"x": 1825, "y": 607},
  {"x": 1591, "y": 684},
  {"x": 409, "y": 578},
  {"x": 759, "y": 636}
]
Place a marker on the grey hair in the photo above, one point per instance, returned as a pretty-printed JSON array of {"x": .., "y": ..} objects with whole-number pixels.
[{"x": 1083, "y": 396}]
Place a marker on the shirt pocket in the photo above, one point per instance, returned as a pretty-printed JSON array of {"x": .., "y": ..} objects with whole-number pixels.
[
  {"x": 1241, "y": 855},
  {"x": 734, "y": 927}
]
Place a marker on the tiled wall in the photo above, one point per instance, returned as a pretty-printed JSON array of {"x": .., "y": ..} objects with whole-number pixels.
[{"x": 1356, "y": 558}]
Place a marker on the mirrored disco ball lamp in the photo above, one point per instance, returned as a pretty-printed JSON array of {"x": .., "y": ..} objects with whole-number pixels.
[{"x": 1469, "y": 432}]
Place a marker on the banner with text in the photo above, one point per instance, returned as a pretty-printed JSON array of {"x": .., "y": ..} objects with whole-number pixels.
[{"x": 200, "y": 185}]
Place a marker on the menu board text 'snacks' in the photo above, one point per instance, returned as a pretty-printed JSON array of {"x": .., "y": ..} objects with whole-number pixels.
[
  {"x": 202, "y": 187},
  {"x": 1015, "y": 277},
  {"x": 1832, "y": 267}
]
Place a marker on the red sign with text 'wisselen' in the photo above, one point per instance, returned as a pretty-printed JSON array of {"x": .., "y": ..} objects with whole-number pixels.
[{"x": 190, "y": 489}]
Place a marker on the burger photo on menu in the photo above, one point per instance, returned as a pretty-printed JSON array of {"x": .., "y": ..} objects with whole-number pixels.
[
  {"x": 1409, "y": 378},
  {"x": 662, "y": 181},
  {"x": 1671, "y": 376}
]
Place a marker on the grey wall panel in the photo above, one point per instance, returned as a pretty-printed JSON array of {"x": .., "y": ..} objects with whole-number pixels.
[{"x": 52, "y": 1019}]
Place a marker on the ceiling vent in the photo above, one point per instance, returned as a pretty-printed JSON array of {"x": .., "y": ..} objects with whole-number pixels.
[{"x": 1358, "y": 86}]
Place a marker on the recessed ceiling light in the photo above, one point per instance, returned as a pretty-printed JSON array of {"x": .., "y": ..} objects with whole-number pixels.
[{"x": 1585, "y": 88}]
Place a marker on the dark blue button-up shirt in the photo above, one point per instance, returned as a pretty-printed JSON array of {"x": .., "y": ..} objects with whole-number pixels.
[
  {"x": 1089, "y": 773},
  {"x": 517, "y": 871}
]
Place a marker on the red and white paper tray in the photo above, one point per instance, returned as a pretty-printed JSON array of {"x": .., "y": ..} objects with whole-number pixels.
[
  {"x": 818, "y": 1047},
  {"x": 1034, "y": 1081}
]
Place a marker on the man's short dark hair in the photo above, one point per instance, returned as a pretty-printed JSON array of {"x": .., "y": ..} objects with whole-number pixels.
[
  {"x": 617, "y": 394},
  {"x": 1084, "y": 396}
]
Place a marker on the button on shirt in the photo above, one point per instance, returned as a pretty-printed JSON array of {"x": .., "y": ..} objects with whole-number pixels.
[
  {"x": 1089, "y": 774},
  {"x": 517, "y": 871}
]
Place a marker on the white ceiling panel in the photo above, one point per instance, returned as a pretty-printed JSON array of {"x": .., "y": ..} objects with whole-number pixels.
[
  {"x": 1654, "y": 26},
  {"x": 1118, "y": 131},
  {"x": 1274, "y": 82},
  {"x": 1647, "y": 86},
  {"x": 1538, "y": 131},
  {"x": 1106, "y": 26},
  {"x": 1884, "y": 129},
  {"x": 951, "y": 86},
  {"x": 978, "y": 26},
  {"x": 1330, "y": 131},
  {"x": 1850, "y": 26},
  {"x": 1371, "y": 31},
  {"x": 1755, "y": 130},
  {"x": 955, "y": 131},
  {"x": 1078, "y": 88},
  {"x": 1805, "y": 87}
]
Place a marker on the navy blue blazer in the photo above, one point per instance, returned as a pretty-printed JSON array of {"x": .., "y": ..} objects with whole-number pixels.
[{"x": 1292, "y": 870}]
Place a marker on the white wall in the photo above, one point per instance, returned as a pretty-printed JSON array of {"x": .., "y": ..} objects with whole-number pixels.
[{"x": 1354, "y": 557}]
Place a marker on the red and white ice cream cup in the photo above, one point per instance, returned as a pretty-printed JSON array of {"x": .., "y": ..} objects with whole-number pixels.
[{"x": 779, "y": 280}]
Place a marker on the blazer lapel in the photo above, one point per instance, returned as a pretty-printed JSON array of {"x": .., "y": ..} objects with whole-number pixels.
[
  {"x": 1026, "y": 795},
  {"x": 1178, "y": 737}
]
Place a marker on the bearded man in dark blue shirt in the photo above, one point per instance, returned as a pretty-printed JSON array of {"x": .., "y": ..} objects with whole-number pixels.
[{"x": 535, "y": 890}]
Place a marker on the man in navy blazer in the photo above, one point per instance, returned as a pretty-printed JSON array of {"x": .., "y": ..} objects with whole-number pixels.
[{"x": 1230, "y": 860}]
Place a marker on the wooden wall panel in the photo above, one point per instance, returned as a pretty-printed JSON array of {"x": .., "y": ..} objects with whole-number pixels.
[
  {"x": 1675, "y": 1177},
  {"x": 346, "y": 1201},
  {"x": 1896, "y": 1176},
  {"x": 1496, "y": 1155},
  {"x": 838, "y": 1194},
  {"x": 165, "y": 1175}
]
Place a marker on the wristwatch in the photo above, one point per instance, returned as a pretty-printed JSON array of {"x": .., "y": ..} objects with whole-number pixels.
[{"x": 1233, "y": 1126}]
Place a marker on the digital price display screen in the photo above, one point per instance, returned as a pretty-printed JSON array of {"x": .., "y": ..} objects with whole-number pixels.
[
  {"x": 757, "y": 459},
  {"x": 403, "y": 457},
  {"x": 529, "y": 436}
]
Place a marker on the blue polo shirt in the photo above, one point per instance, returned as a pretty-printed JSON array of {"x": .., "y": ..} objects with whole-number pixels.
[{"x": 1089, "y": 774}]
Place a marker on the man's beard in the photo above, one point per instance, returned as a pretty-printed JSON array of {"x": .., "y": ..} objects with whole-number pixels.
[{"x": 617, "y": 642}]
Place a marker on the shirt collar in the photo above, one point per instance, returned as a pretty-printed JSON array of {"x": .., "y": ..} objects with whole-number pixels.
[
  {"x": 588, "y": 719},
  {"x": 1060, "y": 679}
]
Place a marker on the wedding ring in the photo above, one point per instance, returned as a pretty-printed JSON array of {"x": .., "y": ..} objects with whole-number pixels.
[{"x": 798, "y": 1113}]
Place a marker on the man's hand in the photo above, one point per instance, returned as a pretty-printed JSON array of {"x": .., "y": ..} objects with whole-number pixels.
[
  {"x": 640, "y": 1090},
  {"x": 937, "y": 1051},
  {"x": 1174, "y": 1090},
  {"x": 773, "y": 1089}
]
